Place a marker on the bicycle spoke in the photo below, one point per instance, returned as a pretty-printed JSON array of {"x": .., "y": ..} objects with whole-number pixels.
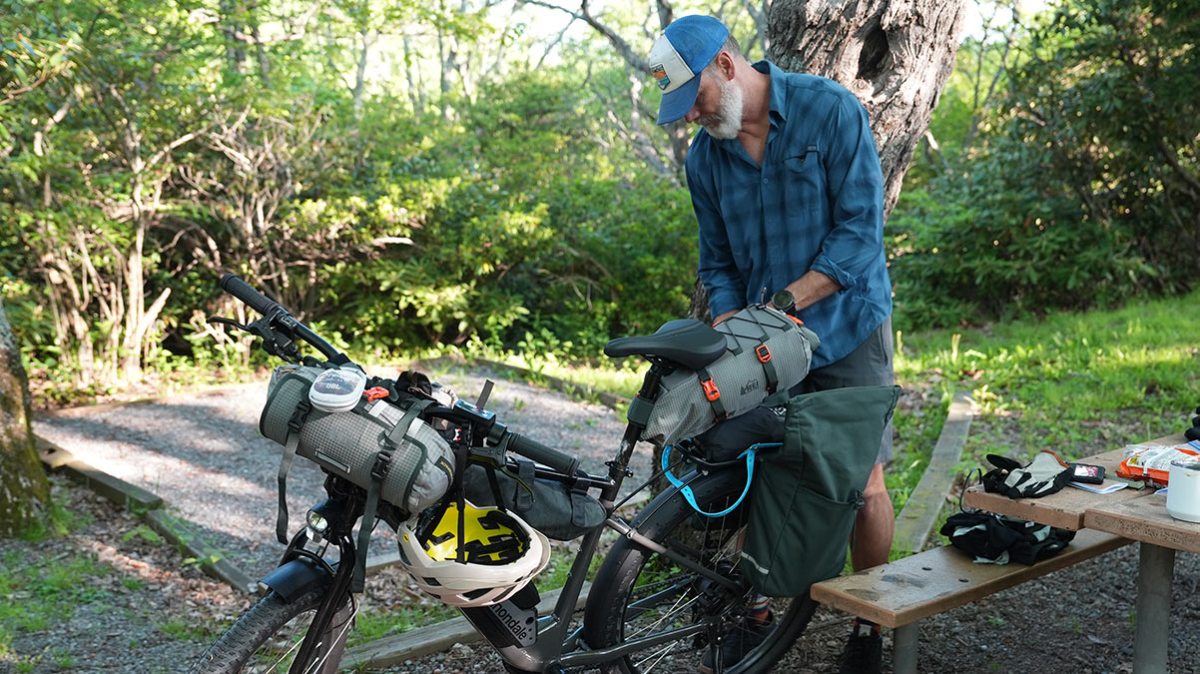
[{"x": 666, "y": 650}]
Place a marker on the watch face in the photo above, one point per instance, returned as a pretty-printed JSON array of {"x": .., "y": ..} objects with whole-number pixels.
[{"x": 783, "y": 300}]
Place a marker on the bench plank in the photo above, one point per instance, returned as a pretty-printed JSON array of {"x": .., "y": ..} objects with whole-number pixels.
[{"x": 937, "y": 580}]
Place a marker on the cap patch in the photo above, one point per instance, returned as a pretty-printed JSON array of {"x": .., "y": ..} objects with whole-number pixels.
[{"x": 659, "y": 72}]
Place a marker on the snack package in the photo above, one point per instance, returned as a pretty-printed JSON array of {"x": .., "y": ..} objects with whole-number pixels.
[{"x": 1152, "y": 462}]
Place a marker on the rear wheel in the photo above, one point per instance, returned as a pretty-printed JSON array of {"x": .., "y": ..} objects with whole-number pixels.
[
  {"x": 648, "y": 594},
  {"x": 267, "y": 637}
]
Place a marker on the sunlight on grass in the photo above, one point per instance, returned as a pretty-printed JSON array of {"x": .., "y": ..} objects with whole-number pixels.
[{"x": 1077, "y": 383}]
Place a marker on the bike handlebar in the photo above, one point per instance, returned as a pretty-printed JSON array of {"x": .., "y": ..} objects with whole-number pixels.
[
  {"x": 234, "y": 285},
  {"x": 532, "y": 449},
  {"x": 276, "y": 313}
]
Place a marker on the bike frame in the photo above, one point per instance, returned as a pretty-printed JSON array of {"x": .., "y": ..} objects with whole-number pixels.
[{"x": 552, "y": 649}]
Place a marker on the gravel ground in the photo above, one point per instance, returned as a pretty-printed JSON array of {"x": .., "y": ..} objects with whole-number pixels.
[{"x": 202, "y": 454}]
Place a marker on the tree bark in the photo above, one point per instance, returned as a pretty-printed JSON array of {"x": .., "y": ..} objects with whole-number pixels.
[
  {"x": 24, "y": 490},
  {"x": 895, "y": 55}
]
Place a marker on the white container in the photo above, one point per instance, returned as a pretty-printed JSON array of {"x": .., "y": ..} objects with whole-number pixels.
[
  {"x": 337, "y": 390},
  {"x": 1183, "y": 490}
]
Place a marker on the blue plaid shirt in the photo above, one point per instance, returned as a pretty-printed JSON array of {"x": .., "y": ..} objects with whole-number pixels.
[{"x": 816, "y": 202}]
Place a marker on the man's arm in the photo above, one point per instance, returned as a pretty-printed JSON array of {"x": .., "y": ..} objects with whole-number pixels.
[
  {"x": 812, "y": 288},
  {"x": 717, "y": 271},
  {"x": 855, "y": 183}
]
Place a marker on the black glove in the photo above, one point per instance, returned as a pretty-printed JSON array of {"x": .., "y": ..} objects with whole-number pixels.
[
  {"x": 1193, "y": 433},
  {"x": 1044, "y": 475}
]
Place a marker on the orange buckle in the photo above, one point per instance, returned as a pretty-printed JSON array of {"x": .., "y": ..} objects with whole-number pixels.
[
  {"x": 376, "y": 393},
  {"x": 763, "y": 353},
  {"x": 710, "y": 390},
  {"x": 795, "y": 319}
]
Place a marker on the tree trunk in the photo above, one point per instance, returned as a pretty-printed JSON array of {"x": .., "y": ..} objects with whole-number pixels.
[
  {"x": 895, "y": 55},
  {"x": 24, "y": 491}
]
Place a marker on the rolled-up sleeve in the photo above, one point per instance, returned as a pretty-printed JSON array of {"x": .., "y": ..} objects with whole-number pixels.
[
  {"x": 717, "y": 271},
  {"x": 856, "y": 191}
]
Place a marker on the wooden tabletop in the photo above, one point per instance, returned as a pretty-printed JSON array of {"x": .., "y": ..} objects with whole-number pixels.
[
  {"x": 1065, "y": 508},
  {"x": 1146, "y": 520}
]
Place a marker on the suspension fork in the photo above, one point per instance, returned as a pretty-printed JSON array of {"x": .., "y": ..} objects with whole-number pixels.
[{"x": 331, "y": 602}]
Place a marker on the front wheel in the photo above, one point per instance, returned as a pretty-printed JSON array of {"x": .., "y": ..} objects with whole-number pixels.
[
  {"x": 647, "y": 595},
  {"x": 267, "y": 637}
]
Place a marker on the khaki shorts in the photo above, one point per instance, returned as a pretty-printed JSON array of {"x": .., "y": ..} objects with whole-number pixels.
[{"x": 868, "y": 365}]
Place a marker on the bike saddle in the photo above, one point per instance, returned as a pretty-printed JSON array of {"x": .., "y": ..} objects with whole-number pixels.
[{"x": 686, "y": 342}]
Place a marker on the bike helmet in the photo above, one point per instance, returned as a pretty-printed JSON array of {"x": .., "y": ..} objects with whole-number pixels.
[{"x": 501, "y": 554}]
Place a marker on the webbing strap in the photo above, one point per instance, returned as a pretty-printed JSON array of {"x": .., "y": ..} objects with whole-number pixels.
[
  {"x": 763, "y": 353},
  {"x": 285, "y": 464},
  {"x": 295, "y": 423},
  {"x": 686, "y": 490},
  {"x": 383, "y": 462}
]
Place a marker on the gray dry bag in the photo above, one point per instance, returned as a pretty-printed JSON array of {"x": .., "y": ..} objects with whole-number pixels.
[{"x": 766, "y": 351}]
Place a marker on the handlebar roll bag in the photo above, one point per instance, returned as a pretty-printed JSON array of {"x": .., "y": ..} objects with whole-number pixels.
[
  {"x": 416, "y": 462},
  {"x": 766, "y": 351}
]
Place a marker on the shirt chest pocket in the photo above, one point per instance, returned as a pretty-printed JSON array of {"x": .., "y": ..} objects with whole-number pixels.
[{"x": 804, "y": 176}]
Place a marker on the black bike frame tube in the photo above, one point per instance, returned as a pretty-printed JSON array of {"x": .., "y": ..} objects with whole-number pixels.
[
  {"x": 330, "y": 603},
  {"x": 552, "y": 634},
  {"x": 548, "y": 647}
]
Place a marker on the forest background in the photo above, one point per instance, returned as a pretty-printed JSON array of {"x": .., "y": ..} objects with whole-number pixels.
[{"x": 486, "y": 176}]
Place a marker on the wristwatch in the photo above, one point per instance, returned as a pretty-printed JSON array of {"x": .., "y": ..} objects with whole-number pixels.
[{"x": 784, "y": 301}]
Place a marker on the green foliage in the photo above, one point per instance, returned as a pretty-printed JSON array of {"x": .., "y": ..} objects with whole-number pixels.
[
  {"x": 45, "y": 593},
  {"x": 1084, "y": 191}
]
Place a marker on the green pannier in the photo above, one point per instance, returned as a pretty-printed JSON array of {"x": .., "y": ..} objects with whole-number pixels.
[{"x": 806, "y": 495}]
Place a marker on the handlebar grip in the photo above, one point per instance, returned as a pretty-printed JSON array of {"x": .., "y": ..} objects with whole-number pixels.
[
  {"x": 234, "y": 285},
  {"x": 548, "y": 456}
]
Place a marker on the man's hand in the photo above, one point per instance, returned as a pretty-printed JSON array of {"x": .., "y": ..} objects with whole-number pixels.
[{"x": 717, "y": 321}]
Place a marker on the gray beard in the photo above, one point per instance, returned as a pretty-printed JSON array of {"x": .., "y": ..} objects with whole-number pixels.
[{"x": 727, "y": 121}]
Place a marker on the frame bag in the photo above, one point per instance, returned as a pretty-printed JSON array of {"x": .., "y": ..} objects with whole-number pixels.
[
  {"x": 766, "y": 351},
  {"x": 803, "y": 505}
]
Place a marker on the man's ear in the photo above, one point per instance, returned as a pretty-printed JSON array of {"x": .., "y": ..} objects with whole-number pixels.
[{"x": 725, "y": 64}]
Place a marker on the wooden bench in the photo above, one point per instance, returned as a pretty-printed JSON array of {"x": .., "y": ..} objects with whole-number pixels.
[{"x": 899, "y": 594}]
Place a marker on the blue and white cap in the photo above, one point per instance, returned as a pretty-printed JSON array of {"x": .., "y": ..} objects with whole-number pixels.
[{"x": 684, "y": 49}]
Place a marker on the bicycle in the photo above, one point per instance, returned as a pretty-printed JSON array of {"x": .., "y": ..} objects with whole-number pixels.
[{"x": 671, "y": 586}]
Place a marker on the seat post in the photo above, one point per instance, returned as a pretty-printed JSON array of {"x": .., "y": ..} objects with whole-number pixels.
[{"x": 618, "y": 469}]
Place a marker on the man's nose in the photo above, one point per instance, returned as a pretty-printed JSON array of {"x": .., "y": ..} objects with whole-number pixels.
[{"x": 692, "y": 115}]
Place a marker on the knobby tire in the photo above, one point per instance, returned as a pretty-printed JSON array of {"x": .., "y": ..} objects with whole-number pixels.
[{"x": 265, "y": 637}]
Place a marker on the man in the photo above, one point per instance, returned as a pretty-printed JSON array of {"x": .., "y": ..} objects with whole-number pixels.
[{"x": 788, "y": 191}]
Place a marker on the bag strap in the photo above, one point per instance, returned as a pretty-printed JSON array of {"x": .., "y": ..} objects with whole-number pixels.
[
  {"x": 712, "y": 393},
  {"x": 763, "y": 353},
  {"x": 379, "y": 471},
  {"x": 686, "y": 490},
  {"x": 299, "y": 415}
]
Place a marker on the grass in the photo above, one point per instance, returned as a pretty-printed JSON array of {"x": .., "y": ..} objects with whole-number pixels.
[
  {"x": 1075, "y": 383},
  {"x": 373, "y": 623},
  {"x": 42, "y": 595}
]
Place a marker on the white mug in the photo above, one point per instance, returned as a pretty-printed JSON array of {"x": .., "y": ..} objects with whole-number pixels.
[{"x": 1183, "y": 490}]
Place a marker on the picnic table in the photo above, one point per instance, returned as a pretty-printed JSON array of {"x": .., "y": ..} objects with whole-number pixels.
[{"x": 1134, "y": 514}]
